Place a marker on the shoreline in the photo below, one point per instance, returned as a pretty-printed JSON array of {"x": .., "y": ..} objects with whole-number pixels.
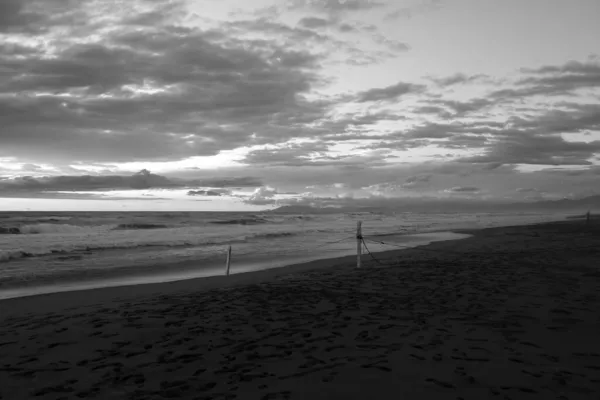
[
  {"x": 51, "y": 301},
  {"x": 509, "y": 312},
  {"x": 189, "y": 271},
  {"x": 55, "y": 301}
]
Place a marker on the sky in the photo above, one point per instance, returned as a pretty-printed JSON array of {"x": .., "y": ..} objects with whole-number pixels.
[{"x": 217, "y": 105}]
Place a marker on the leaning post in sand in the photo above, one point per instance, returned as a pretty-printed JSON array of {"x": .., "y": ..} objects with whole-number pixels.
[
  {"x": 588, "y": 217},
  {"x": 228, "y": 260},
  {"x": 358, "y": 242}
]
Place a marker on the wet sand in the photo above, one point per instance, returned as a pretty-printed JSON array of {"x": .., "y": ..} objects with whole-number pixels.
[{"x": 510, "y": 313}]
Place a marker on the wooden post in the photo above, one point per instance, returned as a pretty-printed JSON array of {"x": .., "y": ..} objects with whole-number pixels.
[
  {"x": 358, "y": 242},
  {"x": 228, "y": 260}
]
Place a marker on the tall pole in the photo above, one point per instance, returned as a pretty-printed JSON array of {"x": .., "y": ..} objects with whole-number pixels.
[
  {"x": 358, "y": 242},
  {"x": 228, "y": 260}
]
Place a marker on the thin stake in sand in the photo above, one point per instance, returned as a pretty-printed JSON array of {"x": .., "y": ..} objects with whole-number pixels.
[
  {"x": 358, "y": 242},
  {"x": 228, "y": 264}
]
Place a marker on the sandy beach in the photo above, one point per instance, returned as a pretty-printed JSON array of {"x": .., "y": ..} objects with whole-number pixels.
[{"x": 509, "y": 313}]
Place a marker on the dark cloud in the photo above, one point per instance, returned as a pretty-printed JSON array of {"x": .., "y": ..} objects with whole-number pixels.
[
  {"x": 431, "y": 131},
  {"x": 457, "y": 79},
  {"x": 435, "y": 110},
  {"x": 554, "y": 80},
  {"x": 314, "y": 22},
  {"x": 577, "y": 118},
  {"x": 463, "y": 189},
  {"x": 229, "y": 182},
  {"x": 291, "y": 155},
  {"x": 417, "y": 181},
  {"x": 418, "y": 178},
  {"x": 590, "y": 171},
  {"x": 210, "y": 193},
  {"x": 526, "y": 190},
  {"x": 346, "y": 28},
  {"x": 537, "y": 149},
  {"x": 390, "y": 93},
  {"x": 29, "y": 17},
  {"x": 464, "y": 142},
  {"x": 312, "y": 155},
  {"x": 151, "y": 90},
  {"x": 357, "y": 121},
  {"x": 446, "y": 108},
  {"x": 141, "y": 180},
  {"x": 538, "y": 140}
]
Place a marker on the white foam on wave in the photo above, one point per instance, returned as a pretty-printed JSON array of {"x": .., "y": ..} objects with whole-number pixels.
[
  {"x": 62, "y": 228},
  {"x": 8, "y": 255},
  {"x": 45, "y": 239}
]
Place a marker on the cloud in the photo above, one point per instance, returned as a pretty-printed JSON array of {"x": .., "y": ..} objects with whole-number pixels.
[
  {"x": 346, "y": 28},
  {"x": 463, "y": 189},
  {"x": 446, "y": 108},
  {"x": 293, "y": 154},
  {"x": 223, "y": 182},
  {"x": 141, "y": 180},
  {"x": 393, "y": 45},
  {"x": 458, "y": 79},
  {"x": 389, "y": 93},
  {"x": 31, "y": 167},
  {"x": 539, "y": 141},
  {"x": 147, "y": 89},
  {"x": 537, "y": 149},
  {"x": 17, "y": 16},
  {"x": 526, "y": 190},
  {"x": 416, "y": 181},
  {"x": 554, "y": 80},
  {"x": 335, "y": 6},
  {"x": 262, "y": 196},
  {"x": 412, "y": 183},
  {"x": 421, "y": 7},
  {"x": 314, "y": 22},
  {"x": 203, "y": 193}
]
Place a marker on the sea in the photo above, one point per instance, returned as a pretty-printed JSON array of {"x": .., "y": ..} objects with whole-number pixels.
[{"x": 63, "y": 251}]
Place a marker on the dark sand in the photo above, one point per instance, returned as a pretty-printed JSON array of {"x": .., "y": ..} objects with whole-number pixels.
[{"x": 511, "y": 313}]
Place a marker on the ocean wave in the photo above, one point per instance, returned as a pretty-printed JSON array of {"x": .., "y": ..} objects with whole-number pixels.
[
  {"x": 8, "y": 255},
  {"x": 61, "y": 228},
  {"x": 9, "y": 231},
  {"x": 138, "y": 226},
  {"x": 271, "y": 235},
  {"x": 87, "y": 247},
  {"x": 241, "y": 221}
]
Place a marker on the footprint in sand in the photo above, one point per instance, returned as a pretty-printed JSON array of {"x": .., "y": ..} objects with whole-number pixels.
[{"x": 443, "y": 384}]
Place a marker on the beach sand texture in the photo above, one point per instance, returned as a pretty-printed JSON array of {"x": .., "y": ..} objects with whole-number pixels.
[{"x": 511, "y": 313}]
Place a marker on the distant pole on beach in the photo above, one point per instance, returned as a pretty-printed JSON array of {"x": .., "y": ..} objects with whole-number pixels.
[
  {"x": 358, "y": 242},
  {"x": 228, "y": 260},
  {"x": 588, "y": 217}
]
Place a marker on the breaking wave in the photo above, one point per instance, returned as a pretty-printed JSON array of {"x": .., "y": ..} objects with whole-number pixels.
[
  {"x": 8, "y": 255},
  {"x": 241, "y": 221},
  {"x": 61, "y": 228},
  {"x": 139, "y": 226},
  {"x": 87, "y": 246}
]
